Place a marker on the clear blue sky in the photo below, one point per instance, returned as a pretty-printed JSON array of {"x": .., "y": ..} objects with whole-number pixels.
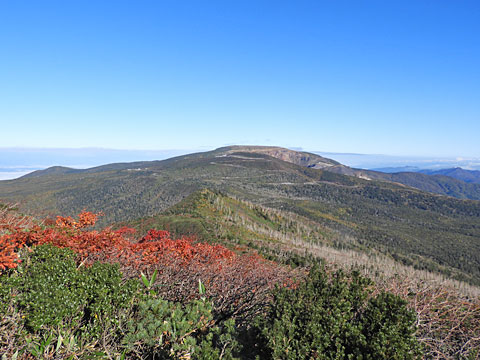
[{"x": 391, "y": 77}]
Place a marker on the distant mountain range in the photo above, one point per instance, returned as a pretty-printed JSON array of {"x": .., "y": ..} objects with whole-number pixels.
[
  {"x": 435, "y": 182},
  {"x": 469, "y": 176},
  {"x": 396, "y": 163}
]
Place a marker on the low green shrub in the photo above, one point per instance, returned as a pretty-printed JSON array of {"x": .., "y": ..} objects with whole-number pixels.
[
  {"x": 50, "y": 292},
  {"x": 337, "y": 317},
  {"x": 54, "y": 307},
  {"x": 65, "y": 305},
  {"x": 167, "y": 330},
  {"x": 53, "y": 292}
]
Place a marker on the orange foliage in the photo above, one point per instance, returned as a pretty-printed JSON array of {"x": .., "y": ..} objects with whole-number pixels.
[
  {"x": 85, "y": 219},
  {"x": 237, "y": 284},
  {"x": 11, "y": 222},
  {"x": 156, "y": 247},
  {"x": 8, "y": 255},
  {"x": 66, "y": 232}
]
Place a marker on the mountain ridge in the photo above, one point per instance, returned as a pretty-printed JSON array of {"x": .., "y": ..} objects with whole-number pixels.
[{"x": 436, "y": 182}]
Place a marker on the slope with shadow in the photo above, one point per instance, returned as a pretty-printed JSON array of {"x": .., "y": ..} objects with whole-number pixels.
[
  {"x": 427, "y": 231},
  {"x": 469, "y": 176},
  {"x": 434, "y": 183}
]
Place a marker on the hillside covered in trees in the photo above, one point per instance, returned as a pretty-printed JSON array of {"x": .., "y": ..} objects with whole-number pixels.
[{"x": 427, "y": 231}]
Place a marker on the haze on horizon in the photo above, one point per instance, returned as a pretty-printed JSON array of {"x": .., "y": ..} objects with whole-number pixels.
[{"x": 372, "y": 77}]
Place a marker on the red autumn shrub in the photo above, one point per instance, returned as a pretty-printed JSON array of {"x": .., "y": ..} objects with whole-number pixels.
[
  {"x": 65, "y": 232},
  {"x": 11, "y": 223},
  {"x": 157, "y": 248},
  {"x": 238, "y": 284},
  {"x": 8, "y": 253}
]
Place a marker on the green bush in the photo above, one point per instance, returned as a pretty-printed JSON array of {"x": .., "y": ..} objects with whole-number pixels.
[
  {"x": 53, "y": 292},
  {"x": 388, "y": 327},
  {"x": 8, "y": 284},
  {"x": 51, "y": 305},
  {"x": 50, "y": 291},
  {"x": 335, "y": 317},
  {"x": 68, "y": 310},
  {"x": 168, "y": 330}
]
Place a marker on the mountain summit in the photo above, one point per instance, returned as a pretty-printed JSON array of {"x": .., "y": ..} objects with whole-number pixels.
[{"x": 292, "y": 156}]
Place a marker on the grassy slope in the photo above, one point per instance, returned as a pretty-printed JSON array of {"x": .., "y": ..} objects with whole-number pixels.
[
  {"x": 213, "y": 216},
  {"x": 286, "y": 236}
]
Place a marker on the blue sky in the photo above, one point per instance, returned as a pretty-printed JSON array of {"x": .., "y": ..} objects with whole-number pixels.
[{"x": 389, "y": 77}]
